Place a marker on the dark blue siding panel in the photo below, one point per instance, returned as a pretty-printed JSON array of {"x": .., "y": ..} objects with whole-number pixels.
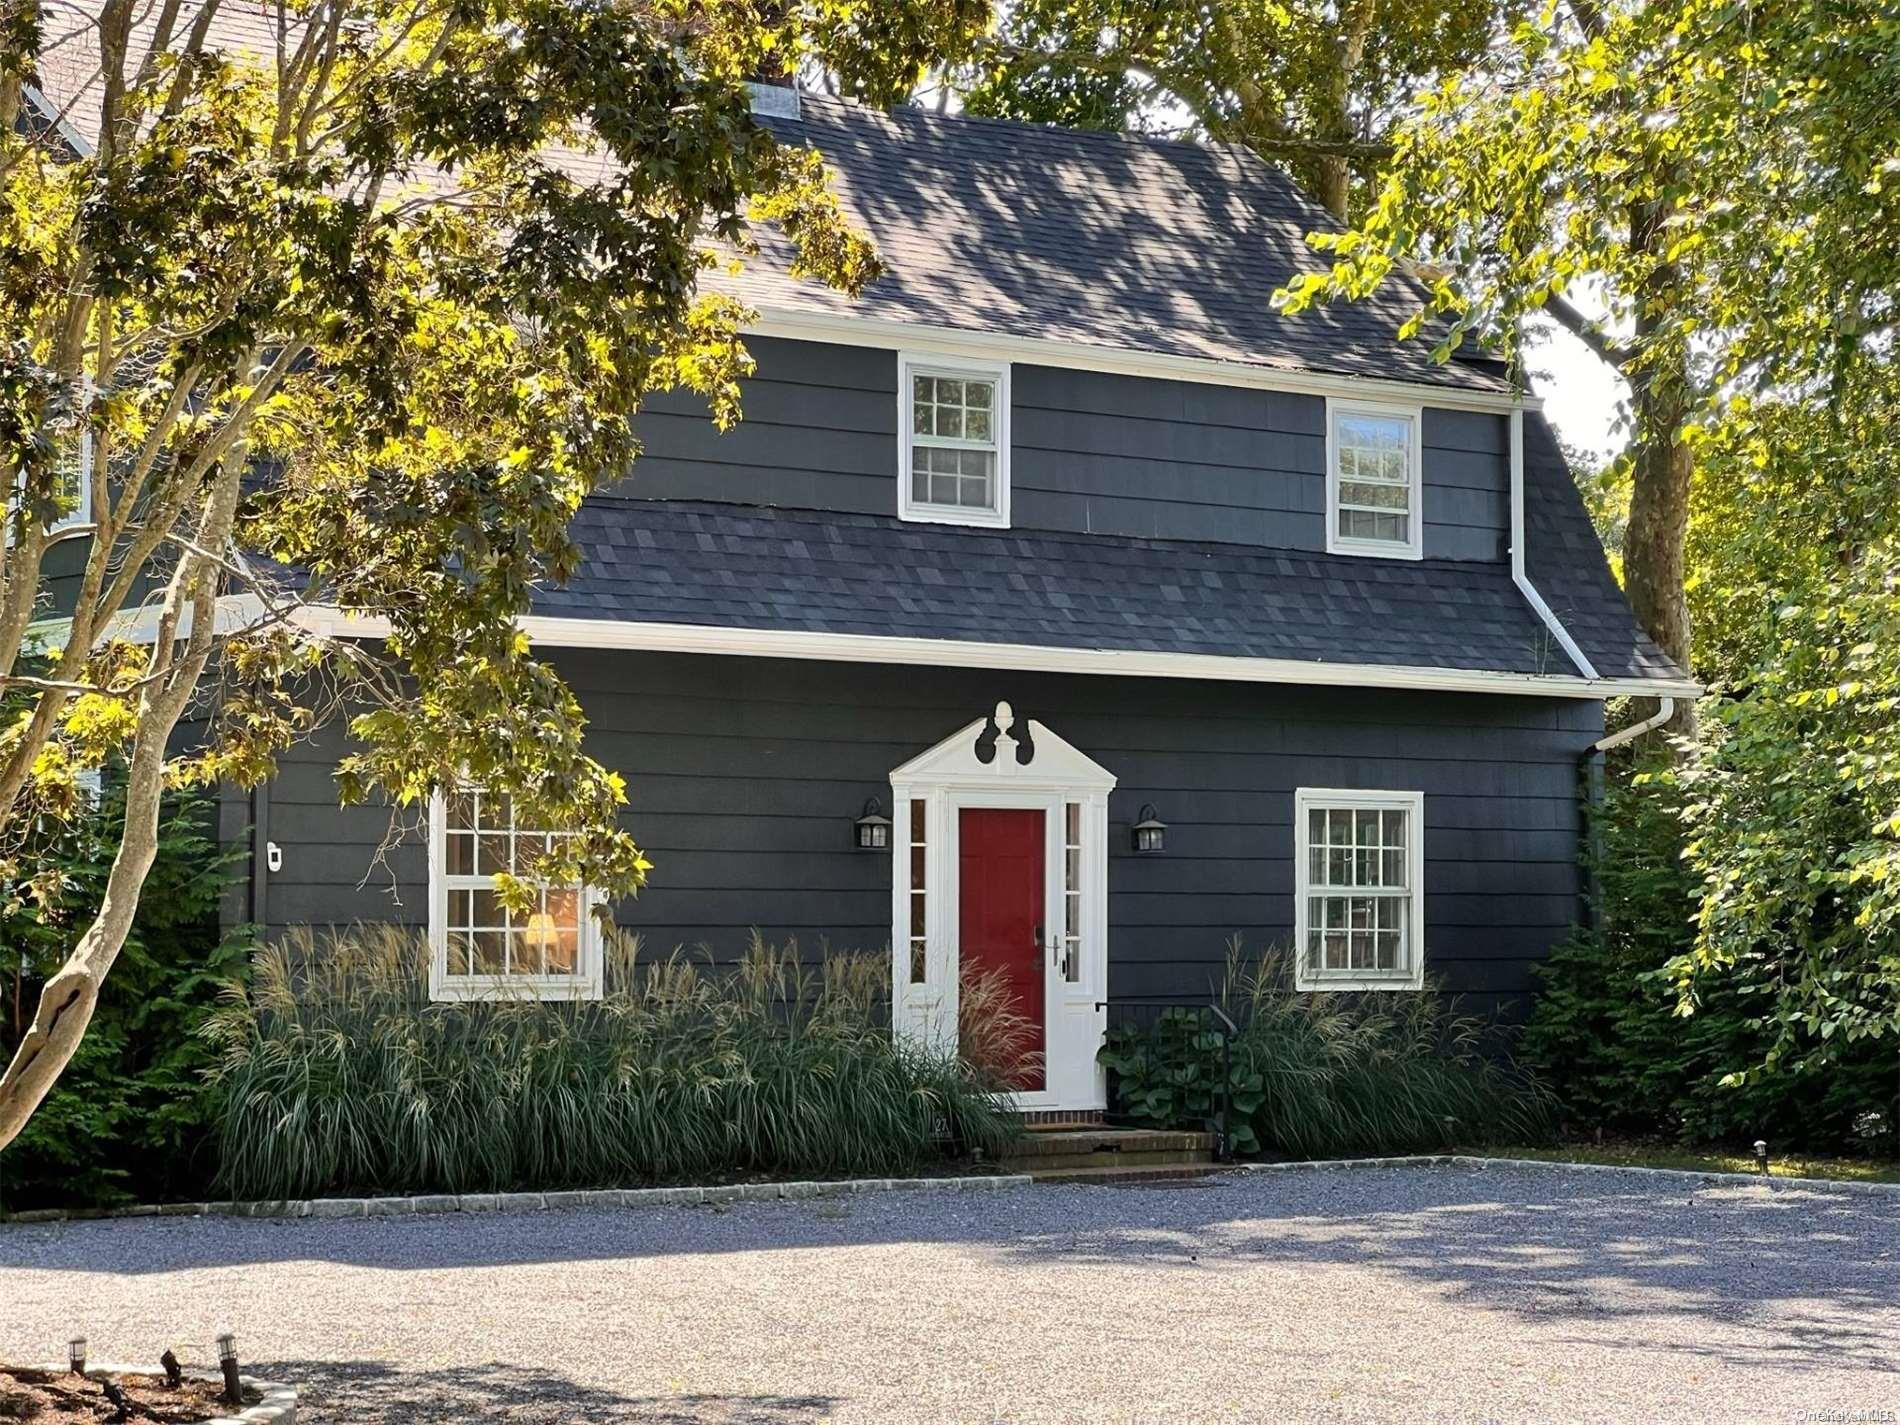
[
  {"x": 1091, "y": 453},
  {"x": 744, "y": 776}
]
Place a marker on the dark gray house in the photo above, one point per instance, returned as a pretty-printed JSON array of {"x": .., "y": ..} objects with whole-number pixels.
[{"x": 1058, "y": 609}]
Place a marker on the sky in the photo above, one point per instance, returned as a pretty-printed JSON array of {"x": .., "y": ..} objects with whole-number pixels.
[{"x": 1581, "y": 393}]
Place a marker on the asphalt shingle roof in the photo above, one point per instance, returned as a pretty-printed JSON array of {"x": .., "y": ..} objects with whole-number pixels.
[
  {"x": 1104, "y": 239},
  {"x": 1564, "y": 560},
  {"x": 736, "y": 566}
]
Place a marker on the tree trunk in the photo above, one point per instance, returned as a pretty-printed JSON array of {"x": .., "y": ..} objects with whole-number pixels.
[
  {"x": 1654, "y": 561},
  {"x": 1335, "y": 184},
  {"x": 68, "y": 999}
]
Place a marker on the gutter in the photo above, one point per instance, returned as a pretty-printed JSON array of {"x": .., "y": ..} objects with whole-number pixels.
[{"x": 237, "y": 612}]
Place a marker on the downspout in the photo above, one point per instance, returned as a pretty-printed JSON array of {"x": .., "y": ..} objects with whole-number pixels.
[
  {"x": 260, "y": 858},
  {"x": 1592, "y": 779},
  {"x": 1518, "y": 575}
]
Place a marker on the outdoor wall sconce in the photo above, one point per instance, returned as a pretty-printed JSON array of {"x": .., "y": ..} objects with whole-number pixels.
[
  {"x": 873, "y": 829},
  {"x": 1151, "y": 832},
  {"x": 76, "y": 1355}
]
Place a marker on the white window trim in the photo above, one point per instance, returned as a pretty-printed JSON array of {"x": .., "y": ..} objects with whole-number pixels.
[
  {"x": 585, "y": 985},
  {"x": 918, "y": 363},
  {"x": 1308, "y": 799},
  {"x": 81, "y": 512},
  {"x": 1412, "y": 548},
  {"x": 82, "y": 508}
]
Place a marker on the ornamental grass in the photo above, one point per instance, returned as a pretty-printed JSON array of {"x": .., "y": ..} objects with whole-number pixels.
[{"x": 338, "y": 1075}]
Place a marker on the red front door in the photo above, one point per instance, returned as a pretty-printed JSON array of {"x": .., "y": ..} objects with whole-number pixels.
[{"x": 999, "y": 930}]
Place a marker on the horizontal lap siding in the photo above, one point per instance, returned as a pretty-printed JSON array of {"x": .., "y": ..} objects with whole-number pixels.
[
  {"x": 744, "y": 776},
  {"x": 1090, "y": 452}
]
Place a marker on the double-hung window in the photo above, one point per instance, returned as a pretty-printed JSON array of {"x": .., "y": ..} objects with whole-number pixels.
[
  {"x": 953, "y": 419},
  {"x": 481, "y": 949},
  {"x": 1359, "y": 902},
  {"x": 75, "y": 480},
  {"x": 72, "y": 482},
  {"x": 1372, "y": 480}
]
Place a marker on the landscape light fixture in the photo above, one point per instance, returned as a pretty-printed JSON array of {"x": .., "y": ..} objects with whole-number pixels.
[
  {"x": 76, "y": 1354},
  {"x": 1151, "y": 832},
  {"x": 872, "y": 829},
  {"x": 1761, "y": 1156},
  {"x": 228, "y": 1362}
]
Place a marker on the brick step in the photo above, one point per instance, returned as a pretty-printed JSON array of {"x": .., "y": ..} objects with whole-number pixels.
[
  {"x": 1118, "y": 1176},
  {"x": 1044, "y": 1162},
  {"x": 1069, "y": 1142}
]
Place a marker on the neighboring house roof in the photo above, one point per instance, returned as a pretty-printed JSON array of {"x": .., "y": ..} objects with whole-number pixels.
[
  {"x": 732, "y": 566},
  {"x": 1103, "y": 239}
]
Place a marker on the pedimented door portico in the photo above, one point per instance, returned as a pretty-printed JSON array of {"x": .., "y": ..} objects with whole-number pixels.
[{"x": 1048, "y": 888}]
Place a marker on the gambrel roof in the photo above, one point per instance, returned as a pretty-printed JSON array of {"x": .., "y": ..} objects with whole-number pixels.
[{"x": 1103, "y": 239}]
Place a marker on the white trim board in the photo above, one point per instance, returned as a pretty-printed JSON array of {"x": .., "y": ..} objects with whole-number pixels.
[
  {"x": 946, "y": 653},
  {"x": 856, "y": 330},
  {"x": 241, "y": 611}
]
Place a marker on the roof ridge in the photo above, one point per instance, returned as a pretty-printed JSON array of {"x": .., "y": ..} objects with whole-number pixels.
[{"x": 1224, "y": 148}]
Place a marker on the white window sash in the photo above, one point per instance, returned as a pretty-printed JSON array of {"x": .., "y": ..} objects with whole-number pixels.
[
  {"x": 1411, "y": 547},
  {"x": 911, "y": 365},
  {"x": 1306, "y": 889},
  {"x": 585, "y": 983}
]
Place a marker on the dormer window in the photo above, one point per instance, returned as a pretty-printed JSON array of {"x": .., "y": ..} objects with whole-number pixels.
[
  {"x": 1372, "y": 480},
  {"x": 954, "y": 441},
  {"x": 75, "y": 481}
]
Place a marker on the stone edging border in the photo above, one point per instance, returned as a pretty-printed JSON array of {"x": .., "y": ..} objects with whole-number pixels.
[
  {"x": 346, "y": 1207},
  {"x": 278, "y": 1406},
  {"x": 1710, "y": 1176},
  {"x": 342, "y": 1207}
]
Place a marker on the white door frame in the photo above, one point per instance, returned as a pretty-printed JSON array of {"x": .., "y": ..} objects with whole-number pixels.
[{"x": 945, "y": 780}]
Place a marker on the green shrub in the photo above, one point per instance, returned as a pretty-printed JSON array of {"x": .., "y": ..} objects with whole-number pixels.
[
  {"x": 1605, "y": 1034},
  {"x": 130, "y": 1117},
  {"x": 1318, "y": 1075},
  {"x": 338, "y": 1075}
]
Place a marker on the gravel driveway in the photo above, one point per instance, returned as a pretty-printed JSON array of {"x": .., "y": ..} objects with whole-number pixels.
[{"x": 1431, "y": 1293}]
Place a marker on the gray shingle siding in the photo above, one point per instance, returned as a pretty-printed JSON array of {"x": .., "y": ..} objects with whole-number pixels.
[
  {"x": 744, "y": 774},
  {"x": 1090, "y": 453},
  {"x": 1565, "y": 560}
]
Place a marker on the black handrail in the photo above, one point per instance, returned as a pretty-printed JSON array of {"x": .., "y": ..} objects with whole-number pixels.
[{"x": 1223, "y": 1135}]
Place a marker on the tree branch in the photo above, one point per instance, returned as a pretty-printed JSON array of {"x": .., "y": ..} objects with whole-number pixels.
[{"x": 1590, "y": 333}]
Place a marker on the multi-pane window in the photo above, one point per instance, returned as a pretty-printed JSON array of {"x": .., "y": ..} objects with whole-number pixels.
[
  {"x": 1358, "y": 898},
  {"x": 75, "y": 480},
  {"x": 919, "y": 890},
  {"x": 1374, "y": 491},
  {"x": 483, "y": 945},
  {"x": 1072, "y": 892},
  {"x": 955, "y": 448}
]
